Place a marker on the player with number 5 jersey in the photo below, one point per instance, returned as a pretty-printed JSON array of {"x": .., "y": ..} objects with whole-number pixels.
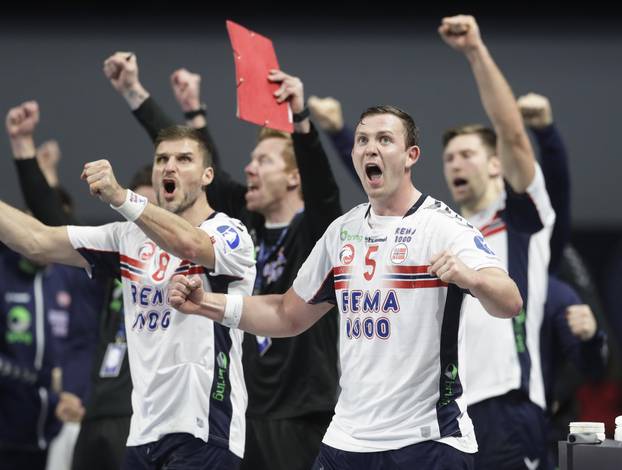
[{"x": 398, "y": 270}]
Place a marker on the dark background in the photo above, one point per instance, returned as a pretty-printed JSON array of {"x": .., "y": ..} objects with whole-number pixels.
[{"x": 360, "y": 53}]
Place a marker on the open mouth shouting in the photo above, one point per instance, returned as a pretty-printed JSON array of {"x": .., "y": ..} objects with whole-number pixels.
[
  {"x": 252, "y": 193},
  {"x": 169, "y": 186},
  {"x": 459, "y": 184},
  {"x": 374, "y": 174},
  {"x": 251, "y": 188}
]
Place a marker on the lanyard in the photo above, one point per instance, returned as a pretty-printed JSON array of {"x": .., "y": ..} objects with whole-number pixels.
[
  {"x": 120, "y": 336},
  {"x": 263, "y": 256}
]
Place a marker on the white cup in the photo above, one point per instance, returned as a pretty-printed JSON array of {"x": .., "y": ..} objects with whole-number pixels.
[{"x": 597, "y": 429}]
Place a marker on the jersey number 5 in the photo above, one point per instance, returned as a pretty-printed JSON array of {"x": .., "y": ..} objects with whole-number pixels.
[{"x": 369, "y": 262}]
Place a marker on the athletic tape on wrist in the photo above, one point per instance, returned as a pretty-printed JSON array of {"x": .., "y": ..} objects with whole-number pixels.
[
  {"x": 133, "y": 206},
  {"x": 233, "y": 310}
]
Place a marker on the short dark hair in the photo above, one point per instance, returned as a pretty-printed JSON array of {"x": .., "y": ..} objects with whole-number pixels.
[
  {"x": 141, "y": 178},
  {"x": 184, "y": 132},
  {"x": 486, "y": 134},
  {"x": 410, "y": 128}
]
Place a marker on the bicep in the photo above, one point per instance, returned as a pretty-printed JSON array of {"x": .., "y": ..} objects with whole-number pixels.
[
  {"x": 57, "y": 248},
  {"x": 493, "y": 272},
  {"x": 302, "y": 314},
  {"x": 206, "y": 255}
]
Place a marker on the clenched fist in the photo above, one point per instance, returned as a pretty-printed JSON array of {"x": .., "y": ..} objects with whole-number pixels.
[
  {"x": 448, "y": 268},
  {"x": 581, "y": 321},
  {"x": 536, "y": 110},
  {"x": 187, "y": 89},
  {"x": 102, "y": 182},
  {"x": 460, "y": 32},
  {"x": 186, "y": 293},
  {"x": 327, "y": 113}
]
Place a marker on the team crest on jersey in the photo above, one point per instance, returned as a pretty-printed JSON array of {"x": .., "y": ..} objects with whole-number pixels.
[
  {"x": 63, "y": 299},
  {"x": 146, "y": 251},
  {"x": 230, "y": 235},
  {"x": 346, "y": 254},
  {"x": 399, "y": 253}
]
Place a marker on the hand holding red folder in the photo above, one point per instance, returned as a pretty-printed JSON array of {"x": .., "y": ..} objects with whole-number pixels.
[{"x": 254, "y": 60}]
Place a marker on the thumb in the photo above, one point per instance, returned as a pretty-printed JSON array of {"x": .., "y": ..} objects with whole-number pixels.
[{"x": 194, "y": 282}]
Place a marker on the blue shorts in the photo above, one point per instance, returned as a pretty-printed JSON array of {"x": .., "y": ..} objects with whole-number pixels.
[
  {"x": 428, "y": 455},
  {"x": 179, "y": 451},
  {"x": 511, "y": 433}
]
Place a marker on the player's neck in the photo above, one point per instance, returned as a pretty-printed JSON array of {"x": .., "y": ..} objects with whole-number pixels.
[
  {"x": 198, "y": 212},
  {"x": 284, "y": 211},
  {"x": 493, "y": 190},
  {"x": 397, "y": 204}
]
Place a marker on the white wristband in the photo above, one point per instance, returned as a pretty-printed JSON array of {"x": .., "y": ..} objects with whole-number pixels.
[
  {"x": 233, "y": 310},
  {"x": 133, "y": 206}
]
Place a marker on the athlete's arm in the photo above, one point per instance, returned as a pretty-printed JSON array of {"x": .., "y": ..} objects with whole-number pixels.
[
  {"x": 265, "y": 315},
  {"x": 36, "y": 241},
  {"x": 495, "y": 290},
  {"x": 170, "y": 232},
  {"x": 513, "y": 147}
]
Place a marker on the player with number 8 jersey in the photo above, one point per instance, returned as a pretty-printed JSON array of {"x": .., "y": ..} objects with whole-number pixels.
[
  {"x": 189, "y": 398},
  {"x": 176, "y": 359}
]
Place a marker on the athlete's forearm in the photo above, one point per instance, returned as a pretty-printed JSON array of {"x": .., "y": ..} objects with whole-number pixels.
[
  {"x": 497, "y": 293},
  {"x": 176, "y": 236},
  {"x": 263, "y": 315},
  {"x": 515, "y": 152}
]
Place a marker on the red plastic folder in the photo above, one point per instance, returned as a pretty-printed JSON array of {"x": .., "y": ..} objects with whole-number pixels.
[{"x": 254, "y": 56}]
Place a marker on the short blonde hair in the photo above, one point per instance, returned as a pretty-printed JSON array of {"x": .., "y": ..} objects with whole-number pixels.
[{"x": 288, "y": 152}]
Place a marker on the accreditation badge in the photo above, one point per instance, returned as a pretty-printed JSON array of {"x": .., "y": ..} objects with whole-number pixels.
[{"x": 113, "y": 359}]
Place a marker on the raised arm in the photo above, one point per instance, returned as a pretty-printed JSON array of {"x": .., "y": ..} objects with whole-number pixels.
[
  {"x": 538, "y": 117},
  {"x": 224, "y": 193},
  {"x": 319, "y": 190},
  {"x": 121, "y": 69},
  {"x": 170, "y": 232},
  {"x": 265, "y": 315},
  {"x": 36, "y": 241},
  {"x": 328, "y": 115},
  {"x": 41, "y": 197},
  {"x": 513, "y": 147}
]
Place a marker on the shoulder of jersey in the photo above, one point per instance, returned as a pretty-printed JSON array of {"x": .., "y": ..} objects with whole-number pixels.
[
  {"x": 441, "y": 213},
  {"x": 221, "y": 218},
  {"x": 357, "y": 212},
  {"x": 434, "y": 206}
]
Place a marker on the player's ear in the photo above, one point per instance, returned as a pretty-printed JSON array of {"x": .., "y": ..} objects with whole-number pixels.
[{"x": 413, "y": 152}]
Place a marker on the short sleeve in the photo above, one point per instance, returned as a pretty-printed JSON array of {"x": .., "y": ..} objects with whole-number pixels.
[
  {"x": 531, "y": 211},
  {"x": 233, "y": 248},
  {"x": 315, "y": 282},
  {"x": 98, "y": 245}
]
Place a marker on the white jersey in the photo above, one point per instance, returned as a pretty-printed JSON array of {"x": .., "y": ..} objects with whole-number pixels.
[
  {"x": 401, "y": 337},
  {"x": 186, "y": 370},
  {"x": 504, "y": 354}
]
